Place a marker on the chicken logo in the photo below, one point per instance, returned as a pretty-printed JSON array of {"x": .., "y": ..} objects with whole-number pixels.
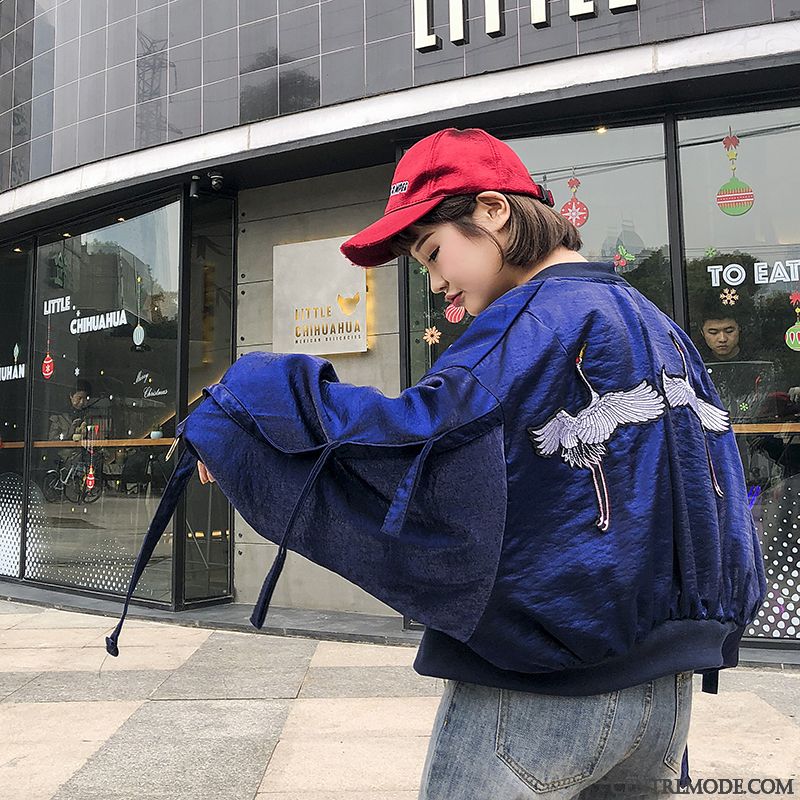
[{"x": 348, "y": 304}]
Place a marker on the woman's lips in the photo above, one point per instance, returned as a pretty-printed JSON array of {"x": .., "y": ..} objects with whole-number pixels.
[{"x": 458, "y": 300}]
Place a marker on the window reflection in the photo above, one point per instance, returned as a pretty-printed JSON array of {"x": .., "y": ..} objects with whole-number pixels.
[
  {"x": 742, "y": 237},
  {"x": 611, "y": 183},
  {"x": 104, "y": 366}
]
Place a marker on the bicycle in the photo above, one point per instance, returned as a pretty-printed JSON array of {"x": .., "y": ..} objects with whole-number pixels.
[{"x": 72, "y": 479}]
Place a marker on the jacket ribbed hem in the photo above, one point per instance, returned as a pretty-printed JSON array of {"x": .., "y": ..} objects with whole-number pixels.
[{"x": 674, "y": 646}]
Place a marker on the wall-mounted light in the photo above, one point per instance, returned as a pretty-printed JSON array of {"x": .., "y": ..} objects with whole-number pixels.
[
  {"x": 601, "y": 129},
  {"x": 66, "y": 235},
  {"x": 194, "y": 186},
  {"x": 120, "y": 219},
  {"x": 17, "y": 249}
]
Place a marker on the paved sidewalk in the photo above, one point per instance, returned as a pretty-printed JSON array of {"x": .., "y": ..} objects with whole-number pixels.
[{"x": 187, "y": 713}]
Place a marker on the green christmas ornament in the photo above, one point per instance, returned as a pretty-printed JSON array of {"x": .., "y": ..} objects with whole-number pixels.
[
  {"x": 735, "y": 197},
  {"x": 792, "y": 337}
]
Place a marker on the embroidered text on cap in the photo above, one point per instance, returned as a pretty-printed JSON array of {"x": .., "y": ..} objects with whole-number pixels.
[{"x": 398, "y": 188}]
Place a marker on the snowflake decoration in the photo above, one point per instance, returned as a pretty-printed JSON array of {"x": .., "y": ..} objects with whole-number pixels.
[
  {"x": 432, "y": 335},
  {"x": 77, "y": 371},
  {"x": 711, "y": 252},
  {"x": 744, "y": 406},
  {"x": 794, "y": 298},
  {"x": 78, "y": 313},
  {"x": 423, "y": 270},
  {"x": 729, "y": 297}
]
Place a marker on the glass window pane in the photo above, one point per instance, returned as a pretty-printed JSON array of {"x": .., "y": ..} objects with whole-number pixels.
[
  {"x": 15, "y": 265},
  {"x": 104, "y": 399},
  {"x": 612, "y": 185},
  {"x": 208, "y": 542},
  {"x": 742, "y": 238}
]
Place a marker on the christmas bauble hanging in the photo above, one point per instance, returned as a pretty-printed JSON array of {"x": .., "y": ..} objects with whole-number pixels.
[
  {"x": 735, "y": 197},
  {"x": 576, "y": 211},
  {"x": 48, "y": 367},
  {"x": 90, "y": 478},
  {"x": 792, "y": 335}
]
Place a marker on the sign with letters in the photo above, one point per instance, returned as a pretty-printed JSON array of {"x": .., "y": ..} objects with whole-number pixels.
[
  {"x": 319, "y": 299},
  {"x": 425, "y": 40}
]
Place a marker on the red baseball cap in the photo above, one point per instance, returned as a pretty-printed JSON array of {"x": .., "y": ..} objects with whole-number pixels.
[{"x": 449, "y": 162}]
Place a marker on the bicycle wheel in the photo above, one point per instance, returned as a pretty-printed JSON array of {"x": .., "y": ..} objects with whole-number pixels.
[
  {"x": 73, "y": 487},
  {"x": 52, "y": 487}
]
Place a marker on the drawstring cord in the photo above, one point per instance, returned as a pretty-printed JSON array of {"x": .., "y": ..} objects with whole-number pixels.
[
  {"x": 172, "y": 492},
  {"x": 265, "y": 596}
]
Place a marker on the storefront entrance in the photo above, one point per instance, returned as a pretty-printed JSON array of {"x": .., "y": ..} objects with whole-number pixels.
[{"x": 131, "y": 316}]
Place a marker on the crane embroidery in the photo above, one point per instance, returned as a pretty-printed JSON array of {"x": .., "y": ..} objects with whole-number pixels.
[
  {"x": 581, "y": 439},
  {"x": 680, "y": 392}
]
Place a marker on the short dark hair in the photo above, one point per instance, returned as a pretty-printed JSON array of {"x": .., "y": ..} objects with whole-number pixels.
[{"x": 534, "y": 229}]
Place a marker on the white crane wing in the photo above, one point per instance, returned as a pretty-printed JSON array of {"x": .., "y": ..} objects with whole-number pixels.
[
  {"x": 677, "y": 390},
  {"x": 712, "y": 418},
  {"x": 598, "y": 421},
  {"x": 559, "y": 432}
]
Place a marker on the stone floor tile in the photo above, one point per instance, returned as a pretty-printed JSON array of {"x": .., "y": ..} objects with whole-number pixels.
[
  {"x": 252, "y": 650},
  {"x": 370, "y": 682},
  {"x": 737, "y": 734},
  {"x": 11, "y": 620},
  {"x": 346, "y": 764},
  {"x": 157, "y": 635},
  {"x": 43, "y": 744},
  {"x": 366, "y": 716},
  {"x": 91, "y": 659},
  {"x": 348, "y": 795},
  {"x": 352, "y": 654},
  {"x": 53, "y": 618},
  {"x": 51, "y": 687},
  {"x": 779, "y": 687},
  {"x": 200, "y": 682},
  {"x": 55, "y": 637},
  {"x": 183, "y": 749},
  {"x": 10, "y": 682},
  {"x": 7, "y": 607}
]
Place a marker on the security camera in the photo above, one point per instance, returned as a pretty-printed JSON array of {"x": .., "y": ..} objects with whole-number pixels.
[{"x": 216, "y": 180}]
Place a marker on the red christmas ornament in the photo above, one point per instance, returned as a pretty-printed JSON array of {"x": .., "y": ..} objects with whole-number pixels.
[
  {"x": 575, "y": 210},
  {"x": 90, "y": 478},
  {"x": 48, "y": 367}
]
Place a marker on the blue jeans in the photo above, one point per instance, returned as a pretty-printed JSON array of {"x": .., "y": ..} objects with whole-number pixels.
[{"x": 496, "y": 744}]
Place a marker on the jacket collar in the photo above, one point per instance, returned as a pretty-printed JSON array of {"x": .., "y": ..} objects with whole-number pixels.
[{"x": 599, "y": 270}]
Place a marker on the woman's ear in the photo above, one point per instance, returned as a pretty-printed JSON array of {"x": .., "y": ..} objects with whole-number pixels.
[{"x": 492, "y": 210}]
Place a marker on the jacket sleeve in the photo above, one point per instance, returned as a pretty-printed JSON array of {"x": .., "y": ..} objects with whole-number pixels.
[{"x": 404, "y": 496}]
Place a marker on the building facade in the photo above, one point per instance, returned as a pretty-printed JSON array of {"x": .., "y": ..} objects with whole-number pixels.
[{"x": 176, "y": 176}]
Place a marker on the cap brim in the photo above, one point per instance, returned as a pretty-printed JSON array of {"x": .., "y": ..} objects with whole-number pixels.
[{"x": 370, "y": 247}]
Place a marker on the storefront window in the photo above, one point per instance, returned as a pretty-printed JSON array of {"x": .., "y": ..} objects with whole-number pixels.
[
  {"x": 742, "y": 236},
  {"x": 208, "y": 529},
  {"x": 612, "y": 185},
  {"x": 15, "y": 267},
  {"x": 104, "y": 399}
]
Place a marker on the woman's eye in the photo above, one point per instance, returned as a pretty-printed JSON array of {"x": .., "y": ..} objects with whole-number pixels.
[{"x": 433, "y": 255}]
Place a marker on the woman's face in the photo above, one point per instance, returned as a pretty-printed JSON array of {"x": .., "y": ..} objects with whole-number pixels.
[{"x": 467, "y": 271}]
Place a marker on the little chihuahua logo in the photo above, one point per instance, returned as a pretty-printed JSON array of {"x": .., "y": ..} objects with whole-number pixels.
[
  {"x": 322, "y": 326},
  {"x": 348, "y": 304}
]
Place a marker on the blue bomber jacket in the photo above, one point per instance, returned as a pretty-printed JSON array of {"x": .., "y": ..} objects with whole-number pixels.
[{"x": 559, "y": 500}]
